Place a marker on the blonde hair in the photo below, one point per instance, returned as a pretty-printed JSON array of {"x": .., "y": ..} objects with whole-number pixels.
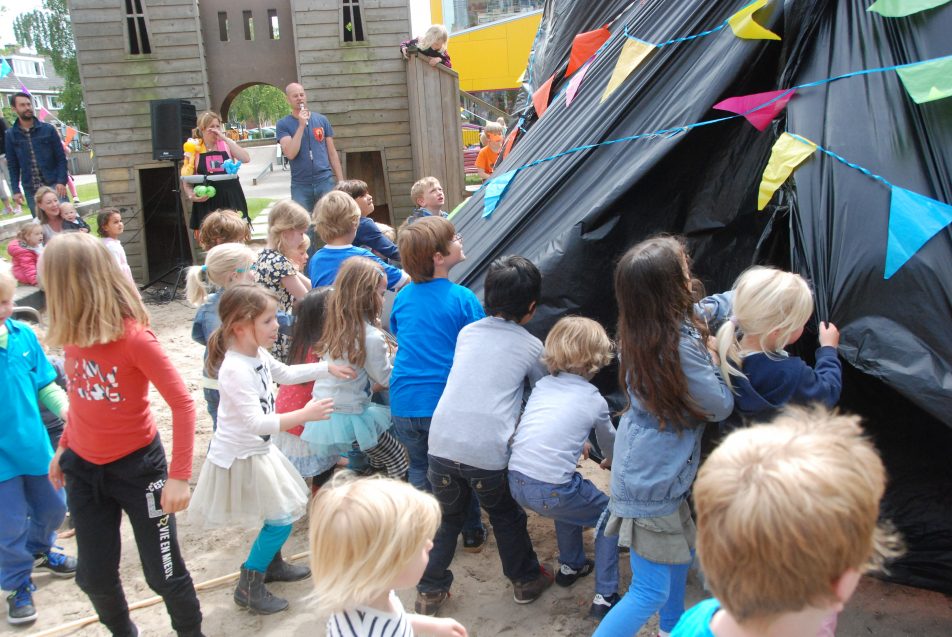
[
  {"x": 436, "y": 33},
  {"x": 577, "y": 345},
  {"x": 221, "y": 263},
  {"x": 335, "y": 215},
  {"x": 204, "y": 120},
  {"x": 363, "y": 533},
  {"x": 88, "y": 298},
  {"x": 354, "y": 302},
  {"x": 798, "y": 496},
  {"x": 491, "y": 128},
  {"x": 766, "y": 300},
  {"x": 305, "y": 243},
  {"x": 387, "y": 231},
  {"x": 420, "y": 241},
  {"x": 238, "y": 304},
  {"x": 41, "y": 192},
  {"x": 8, "y": 283},
  {"x": 30, "y": 226},
  {"x": 223, "y": 226},
  {"x": 285, "y": 215},
  {"x": 418, "y": 189}
]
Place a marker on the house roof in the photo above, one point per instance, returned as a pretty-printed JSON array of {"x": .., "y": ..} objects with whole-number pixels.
[{"x": 52, "y": 83}]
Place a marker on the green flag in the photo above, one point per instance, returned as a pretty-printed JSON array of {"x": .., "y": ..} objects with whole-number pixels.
[
  {"x": 902, "y": 8},
  {"x": 928, "y": 81}
]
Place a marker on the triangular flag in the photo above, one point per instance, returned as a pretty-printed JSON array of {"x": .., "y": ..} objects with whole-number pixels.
[
  {"x": 495, "y": 189},
  {"x": 632, "y": 54},
  {"x": 584, "y": 46},
  {"x": 743, "y": 25},
  {"x": 510, "y": 140},
  {"x": 913, "y": 220},
  {"x": 540, "y": 99},
  {"x": 24, "y": 89},
  {"x": 43, "y": 114},
  {"x": 902, "y": 8},
  {"x": 70, "y": 134},
  {"x": 4, "y": 68},
  {"x": 787, "y": 153},
  {"x": 575, "y": 83},
  {"x": 928, "y": 81},
  {"x": 764, "y": 113}
]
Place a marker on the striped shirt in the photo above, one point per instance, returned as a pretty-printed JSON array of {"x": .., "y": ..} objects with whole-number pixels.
[{"x": 364, "y": 621}]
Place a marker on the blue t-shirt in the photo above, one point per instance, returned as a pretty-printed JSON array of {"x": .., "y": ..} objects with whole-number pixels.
[
  {"x": 324, "y": 264},
  {"x": 426, "y": 319},
  {"x": 696, "y": 622},
  {"x": 311, "y": 163},
  {"x": 25, "y": 448}
]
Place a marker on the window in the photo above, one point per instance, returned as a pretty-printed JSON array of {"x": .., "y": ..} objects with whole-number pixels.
[
  {"x": 53, "y": 102},
  {"x": 274, "y": 29},
  {"x": 223, "y": 26},
  {"x": 29, "y": 68},
  {"x": 352, "y": 27},
  {"x": 249, "y": 23},
  {"x": 137, "y": 31}
]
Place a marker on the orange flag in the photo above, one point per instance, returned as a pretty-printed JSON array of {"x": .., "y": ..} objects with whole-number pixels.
[
  {"x": 70, "y": 134},
  {"x": 540, "y": 99},
  {"x": 583, "y": 46},
  {"x": 510, "y": 140}
]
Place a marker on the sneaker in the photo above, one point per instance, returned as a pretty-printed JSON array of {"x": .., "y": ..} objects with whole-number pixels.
[
  {"x": 474, "y": 540},
  {"x": 528, "y": 592},
  {"x": 59, "y": 564},
  {"x": 429, "y": 603},
  {"x": 20, "y": 608},
  {"x": 76, "y": 200},
  {"x": 568, "y": 575},
  {"x": 601, "y": 605}
]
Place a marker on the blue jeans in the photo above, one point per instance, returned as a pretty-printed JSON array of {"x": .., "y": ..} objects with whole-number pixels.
[
  {"x": 453, "y": 485},
  {"x": 32, "y": 511},
  {"x": 414, "y": 433},
  {"x": 212, "y": 398},
  {"x": 308, "y": 194},
  {"x": 654, "y": 587},
  {"x": 574, "y": 505}
]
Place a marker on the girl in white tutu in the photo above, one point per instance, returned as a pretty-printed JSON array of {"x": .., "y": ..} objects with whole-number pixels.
[
  {"x": 245, "y": 480},
  {"x": 352, "y": 337}
]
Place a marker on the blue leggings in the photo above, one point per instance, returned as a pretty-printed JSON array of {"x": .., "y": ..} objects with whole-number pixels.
[
  {"x": 654, "y": 587},
  {"x": 266, "y": 546}
]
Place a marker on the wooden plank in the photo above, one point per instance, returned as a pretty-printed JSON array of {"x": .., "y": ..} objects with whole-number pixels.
[
  {"x": 399, "y": 152},
  {"x": 146, "y": 67},
  {"x": 355, "y": 131},
  {"x": 109, "y": 27},
  {"x": 353, "y": 68},
  {"x": 99, "y": 55},
  {"x": 359, "y": 95},
  {"x": 314, "y": 79},
  {"x": 344, "y": 117},
  {"x": 123, "y": 101},
  {"x": 350, "y": 54}
]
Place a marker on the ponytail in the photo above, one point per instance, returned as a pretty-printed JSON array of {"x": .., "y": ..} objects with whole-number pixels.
[
  {"x": 216, "y": 353},
  {"x": 196, "y": 290},
  {"x": 728, "y": 350}
]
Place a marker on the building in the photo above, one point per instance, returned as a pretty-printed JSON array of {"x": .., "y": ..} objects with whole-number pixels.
[{"x": 36, "y": 73}]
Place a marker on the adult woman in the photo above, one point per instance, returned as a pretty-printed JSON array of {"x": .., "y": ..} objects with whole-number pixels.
[
  {"x": 213, "y": 149},
  {"x": 48, "y": 212}
]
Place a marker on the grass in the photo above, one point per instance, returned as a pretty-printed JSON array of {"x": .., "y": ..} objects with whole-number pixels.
[
  {"x": 88, "y": 192},
  {"x": 473, "y": 180},
  {"x": 256, "y": 205}
]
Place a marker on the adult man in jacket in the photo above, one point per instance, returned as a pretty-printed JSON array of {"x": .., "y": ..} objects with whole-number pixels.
[{"x": 35, "y": 156}]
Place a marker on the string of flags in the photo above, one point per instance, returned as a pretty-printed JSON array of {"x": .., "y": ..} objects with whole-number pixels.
[{"x": 42, "y": 113}]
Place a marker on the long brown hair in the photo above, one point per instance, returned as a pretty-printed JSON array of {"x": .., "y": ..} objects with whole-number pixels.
[
  {"x": 654, "y": 294},
  {"x": 237, "y": 305},
  {"x": 354, "y": 302}
]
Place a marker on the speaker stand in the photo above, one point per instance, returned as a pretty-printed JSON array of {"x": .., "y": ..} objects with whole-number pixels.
[{"x": 180, "y": 269}]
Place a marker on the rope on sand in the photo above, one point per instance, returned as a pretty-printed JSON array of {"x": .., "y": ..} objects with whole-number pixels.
[{"x": 145, "y": 603}]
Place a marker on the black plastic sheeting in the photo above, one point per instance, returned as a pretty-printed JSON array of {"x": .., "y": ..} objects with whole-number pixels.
[{"x": 574, "y": 216}]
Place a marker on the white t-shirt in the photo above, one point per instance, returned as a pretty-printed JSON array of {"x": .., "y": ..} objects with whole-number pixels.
[{"x": 364, "y": 621}]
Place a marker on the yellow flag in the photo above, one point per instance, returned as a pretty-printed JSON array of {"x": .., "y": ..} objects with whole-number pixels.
[
  {"x": 743, "y": 25},
  {"x": 788, "y": 152},
  {"x": 632, "y": 54}
]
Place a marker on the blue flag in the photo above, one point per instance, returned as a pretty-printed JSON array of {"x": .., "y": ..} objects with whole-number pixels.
[
  {"x": 913, "y": 220},
  {"x": 4, "y": 68},
  {"x": 495, "y": 189}
]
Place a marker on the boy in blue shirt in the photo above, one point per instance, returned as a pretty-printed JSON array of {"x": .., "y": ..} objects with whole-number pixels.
[
  {"x": 368, "y": 233},
  {"x": 32, "y": 508}
]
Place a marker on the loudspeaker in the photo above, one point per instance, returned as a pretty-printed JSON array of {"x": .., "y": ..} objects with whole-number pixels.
[{"x": 172, "y": 123}]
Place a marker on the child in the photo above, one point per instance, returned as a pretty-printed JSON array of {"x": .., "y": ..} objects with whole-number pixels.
[
  {"x": 25, "y": 251},
  {"x": 299, "y": 256},
  {"x": 110, "y": 229},
  {"x": 245, "y": 480},
  {"x": 770, "y": 309},
  {"x": 432, "y": 46},
  {"x": 110, "y": 452},
  {"x": 552, "y": 434},
  {"x": 226, "y": 266},
  {"x": 799, "y": 499},
  {"x": 369, "y": 234},
  {"x": 72, "y": 222},
  {"x": 351, "y": 338},
  {"x": 491, "y": 138},
  {"x": 368, "y": 537},
  {"x": 427, "y": 196},
  {"x": 223, "y": 226},
  {"x": 32, "y": 508},
  {"x": 337, "y": 218},
  {"x": 674, "y": 389},
  {"x": 471, "y": 428}
]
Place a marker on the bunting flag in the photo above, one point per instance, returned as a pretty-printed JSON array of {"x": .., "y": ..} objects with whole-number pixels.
[
  {"x": 575, "y": 83},
  {"x": 633, "y": 53},
  {"x": 43, "y": 114},
  {"x": 787, "y": 153},
  {"x": 24, "y": 89},
  {"x": 913, "y": 220},
  {"x": 743, "y": 25},
  {"x": 758, "y": 108},
  {"x": 510, "y": 140},
  {"x": 5, "y": 69},
  {"x": 902, "y": 8},
  {"x": 70, "y": 134},
  {"x": 540, "y": 99},
  {"x": 584, "y": 46},
  {"x": 928, "y": 81},
  {"x": 495, "y": 189}
]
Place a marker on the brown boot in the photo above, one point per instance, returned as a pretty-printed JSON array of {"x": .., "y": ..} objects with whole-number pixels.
[{"x": 252, "y": 594}]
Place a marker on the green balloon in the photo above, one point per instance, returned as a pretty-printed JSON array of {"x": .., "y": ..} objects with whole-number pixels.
[
  {"x": 210, "y": 191},
  {"x": 200, "y": 191}
]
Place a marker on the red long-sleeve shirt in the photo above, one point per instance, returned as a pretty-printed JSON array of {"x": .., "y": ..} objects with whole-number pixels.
[{"x": 109, "y": 415}]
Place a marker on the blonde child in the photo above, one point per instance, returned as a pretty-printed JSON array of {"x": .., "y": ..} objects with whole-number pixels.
[
  {"x": 226, "y": 266},
  {"x": 25, "y": 251},
  {"x": 491, "y": 139},
  {"x": 368, "y": 537},
  {"x": 110, "y": 452},
  {"x": 71, "y": 219},
  {"x": 798, "y": 498},
  {"x": 432, "y": 45},
  {"x": 352, "y": 337},
  {"x": 770, "y": 310},
  {"x": 245, "y": 480},
  {"x": 223, "y": 226},
  {"x": 299, "y": 256},
  {"x": 110, "y": 229},
  {"x": 552, "y": 433},
  {"x": 427, "y": 195},
  {"x": 369, "y": 233}
]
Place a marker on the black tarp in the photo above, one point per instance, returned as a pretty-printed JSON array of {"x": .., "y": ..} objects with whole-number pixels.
[{"x": 575, "y": 215}]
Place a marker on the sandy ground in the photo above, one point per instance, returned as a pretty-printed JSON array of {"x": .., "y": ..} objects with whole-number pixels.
[{"x": 482, "y": 597}]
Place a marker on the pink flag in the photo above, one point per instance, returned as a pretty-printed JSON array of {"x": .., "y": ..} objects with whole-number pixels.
[
  {"x": 755, "y": 107},
  {"x": 575, "y": 83},
  {"x": 43, "y": 114}
]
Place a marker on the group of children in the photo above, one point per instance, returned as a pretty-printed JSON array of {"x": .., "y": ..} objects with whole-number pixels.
[{"x": 457, "y": 425}]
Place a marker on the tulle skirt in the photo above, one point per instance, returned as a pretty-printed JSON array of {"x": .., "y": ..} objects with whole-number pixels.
[
  {"x": 338, "y": 434},
  {"x": 302, "y": 455}
]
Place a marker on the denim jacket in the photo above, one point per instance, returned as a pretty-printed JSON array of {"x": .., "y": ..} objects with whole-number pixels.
[
  {"x": 653, "y": 469},
  {"x": 48, "y": 148}
]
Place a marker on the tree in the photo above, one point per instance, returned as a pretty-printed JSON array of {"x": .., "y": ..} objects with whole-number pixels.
[
  {"x": 49, "y": 31},
  {"x": 257, "y": 103}
]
